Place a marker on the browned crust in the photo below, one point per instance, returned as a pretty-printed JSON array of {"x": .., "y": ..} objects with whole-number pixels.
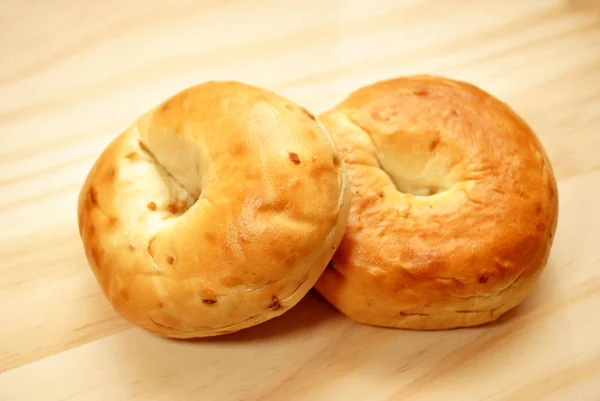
[{"x": 469, "y": 252}]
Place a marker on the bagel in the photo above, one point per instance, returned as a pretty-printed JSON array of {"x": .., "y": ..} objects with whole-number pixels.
[
  {"x": 215, "y": 211},
  {"x": 453, "y": 209}
]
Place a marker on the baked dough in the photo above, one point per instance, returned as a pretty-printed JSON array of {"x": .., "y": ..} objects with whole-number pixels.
[
  {"x": 453, "y": 206},
  {"x": 213, "y": 212}
]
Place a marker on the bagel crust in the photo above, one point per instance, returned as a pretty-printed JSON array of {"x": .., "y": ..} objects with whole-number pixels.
[
  {"x": 215, "y": 211},
  {"x": 453, "y": 210}
]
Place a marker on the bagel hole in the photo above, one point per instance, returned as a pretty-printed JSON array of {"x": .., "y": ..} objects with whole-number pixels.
[
  {"x": 422, "y": 169},
  {"x": 418, "y": 178},
  {"x": 182, "y": 197},
  {"x": 421, "y": 191}
]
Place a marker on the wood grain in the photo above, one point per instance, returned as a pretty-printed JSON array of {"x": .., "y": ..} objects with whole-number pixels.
[{"x": 73, "y": 74}]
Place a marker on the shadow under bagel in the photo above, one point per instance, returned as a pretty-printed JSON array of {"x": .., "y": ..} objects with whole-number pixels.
[
  {"x": 329, "y": 347},
  {"x": 302, "y": 319}
]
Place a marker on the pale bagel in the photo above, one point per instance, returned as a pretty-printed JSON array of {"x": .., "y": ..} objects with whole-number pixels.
[
  {"x": 453, "y": 206},
  {"x": 213, "y": 212}
]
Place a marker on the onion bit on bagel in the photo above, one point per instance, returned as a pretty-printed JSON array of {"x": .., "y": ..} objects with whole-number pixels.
[
  {"x": 453, "y": 210},
  {"x": 213, "y": 212}
]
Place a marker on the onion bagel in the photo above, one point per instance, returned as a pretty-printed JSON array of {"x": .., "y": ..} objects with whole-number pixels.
[
  {"x": 215, "y": 211},
  {"x": 453, "y": 209}
]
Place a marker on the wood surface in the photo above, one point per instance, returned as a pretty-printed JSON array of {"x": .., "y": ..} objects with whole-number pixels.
[{"x": 73, "y": 74}]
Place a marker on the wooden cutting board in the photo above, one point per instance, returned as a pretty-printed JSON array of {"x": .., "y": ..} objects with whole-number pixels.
[{"x": 73, "y": 74}]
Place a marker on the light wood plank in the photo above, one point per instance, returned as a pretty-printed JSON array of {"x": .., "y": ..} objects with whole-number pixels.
[{"x": 75, "y": 74}]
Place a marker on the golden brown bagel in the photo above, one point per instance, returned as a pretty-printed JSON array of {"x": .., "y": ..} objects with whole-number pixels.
[
  {"x": 213, "y": 212},
  {"x": 453, "y": 206}
]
